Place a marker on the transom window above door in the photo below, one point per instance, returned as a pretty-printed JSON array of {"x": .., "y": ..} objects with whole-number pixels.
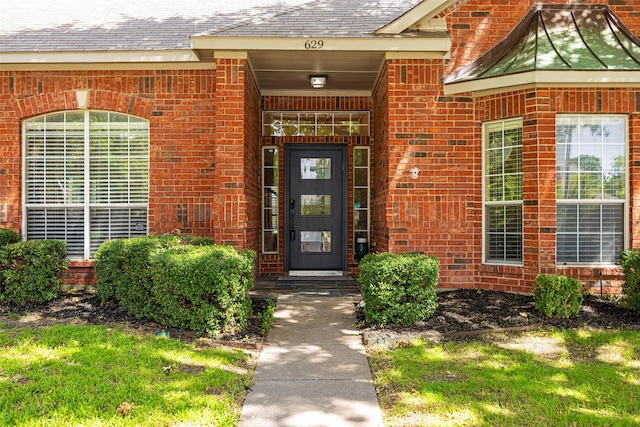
[{"x": 315, "y": 123}]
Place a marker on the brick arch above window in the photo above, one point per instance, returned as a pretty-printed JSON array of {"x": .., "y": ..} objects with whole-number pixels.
[{"x": 97, "y": 100}]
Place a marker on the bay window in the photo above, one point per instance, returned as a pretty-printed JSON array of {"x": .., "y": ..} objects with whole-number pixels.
[
  {"x": 503, "y": 235},
  {"x": 591, "y": 188}
]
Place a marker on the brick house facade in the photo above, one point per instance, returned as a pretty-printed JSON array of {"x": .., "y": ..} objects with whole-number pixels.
[{"x": 206, "y": 138}]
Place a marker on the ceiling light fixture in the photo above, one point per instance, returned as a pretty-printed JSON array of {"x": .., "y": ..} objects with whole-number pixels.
[{"x": 318, "y": 81}]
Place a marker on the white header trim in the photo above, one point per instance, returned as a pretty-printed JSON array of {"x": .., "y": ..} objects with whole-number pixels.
[
  {"x": 440, "y": 44},
  {"x": 570, "y": 78}
]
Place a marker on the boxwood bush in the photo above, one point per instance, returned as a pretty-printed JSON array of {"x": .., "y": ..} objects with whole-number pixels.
[
  {"x": 557, "y": 296},
  {"x": 31, "y": 272},
  {"x": 8, "y": 236},
  {"x": 398, "y": 288},
  {"x": 122, "y": 271},
  {"x": 630, "y": 263},
  {"x": 201, "y": 286}
]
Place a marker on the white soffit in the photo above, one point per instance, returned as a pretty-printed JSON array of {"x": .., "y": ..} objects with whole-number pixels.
[{"x": 481, "y": 87}]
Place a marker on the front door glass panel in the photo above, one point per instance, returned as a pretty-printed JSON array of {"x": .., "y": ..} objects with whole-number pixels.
[
  {"x": 315, "y": 241},
  {"x": 315, "y": 205},
  {"x": 315, "y": 168}
]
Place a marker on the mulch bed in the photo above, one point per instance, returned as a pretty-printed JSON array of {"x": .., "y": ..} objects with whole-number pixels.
[
  {"x": 467, "y": 312},
  {"x": 84, "y": 308},
  {"x": 462, "y": 312}
]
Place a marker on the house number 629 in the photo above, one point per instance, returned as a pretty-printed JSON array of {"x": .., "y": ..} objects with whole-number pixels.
[{"x": 313, "y": 44}]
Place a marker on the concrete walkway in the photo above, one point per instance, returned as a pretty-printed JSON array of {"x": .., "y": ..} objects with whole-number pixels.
[{"x": 313, "y": 370}]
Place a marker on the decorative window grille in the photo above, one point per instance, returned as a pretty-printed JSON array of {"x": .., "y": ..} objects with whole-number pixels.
[
  {"x": 306, "y": 123},
  {"x": 361, "y": 192},
  {"x": 591, "y": 165},
  {"x": 503, "y": 192},
  {"x": 270, "y": 200},
  {"x": 86, "y": 178}
]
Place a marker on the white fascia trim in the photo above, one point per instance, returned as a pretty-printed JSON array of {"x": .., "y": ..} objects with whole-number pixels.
[
  {"x": 144, "y": 66},
  {"x": 413, "y": 55},
  {"x": 80, "y": 57},
  {"x": 567, "y": 78},
  {"x": 441, "y": 44},
  {"x": 426, "y": 10}
]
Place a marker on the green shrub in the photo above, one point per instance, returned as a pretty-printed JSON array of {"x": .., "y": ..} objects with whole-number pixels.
[
  {"x": 31, "y": 272},
  {"x": 202, "y": 288},
  {"x": 122, "y": 271},
  {"x": 266, "y": 316},
  {"x": 630, "y": 262},
  {"x": 197, "y": 240},
  {"x": 198, "y": 286},
  {"x": 557, "y": 296},
  {"x": 8, "y": 236},
  {"x": 398, "y": 289}
]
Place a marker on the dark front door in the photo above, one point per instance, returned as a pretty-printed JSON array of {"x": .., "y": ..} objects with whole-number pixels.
[{"x": 315, "y": 207}]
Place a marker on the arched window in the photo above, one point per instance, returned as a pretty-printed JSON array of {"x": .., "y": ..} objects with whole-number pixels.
[{"x": 86, "y": 178}]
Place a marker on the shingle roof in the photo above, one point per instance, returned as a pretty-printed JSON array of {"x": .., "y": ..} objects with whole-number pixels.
[
  {"x": 70, "y": 25},
  {"x": 327, "y": 18}
]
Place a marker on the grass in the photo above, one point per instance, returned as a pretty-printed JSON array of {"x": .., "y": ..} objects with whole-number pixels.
[
  {"x": 95, "y": 376},
  {"x": 542, "y": 378}
]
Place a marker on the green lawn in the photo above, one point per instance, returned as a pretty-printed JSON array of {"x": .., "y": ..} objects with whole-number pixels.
[
  {"x": 95, "y": 376},
  {"x": 542, "y": 378}
]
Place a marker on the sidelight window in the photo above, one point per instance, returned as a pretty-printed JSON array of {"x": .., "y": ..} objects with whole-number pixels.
[{"x": 270, "y": 200}]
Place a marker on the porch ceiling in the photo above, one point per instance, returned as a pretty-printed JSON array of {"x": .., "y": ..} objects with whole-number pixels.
[{"x": 282, "y": 72}]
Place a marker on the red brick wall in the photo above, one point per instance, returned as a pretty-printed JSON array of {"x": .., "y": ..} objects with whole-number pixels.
[
  {"x": 253, "y": 165},
  {"x": 10, "y": 156},
  {"x": 380, "y": 162},
  {"x": 180, "y": 108},
  {"x": 438, "y": 212},
  {"x": 230, "y": 206}
]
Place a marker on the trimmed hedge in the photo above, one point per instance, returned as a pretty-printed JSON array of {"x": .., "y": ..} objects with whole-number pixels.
[
  {"x": 630, "y": 263},
  {"x": 8, "y": 236},
  {"x": 557, "y": 296},
  {"x": 201, "y": 286},
  {"x": 31, "y": 272},
  {"x": 399, "y": 288},
  {"x": 122, "y": 271}
]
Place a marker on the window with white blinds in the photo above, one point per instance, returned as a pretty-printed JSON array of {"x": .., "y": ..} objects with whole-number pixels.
[
  {"x": 591, "y": 181},
  {"x": 503, "y": 234},
  {"x": 86, "y": 178}
]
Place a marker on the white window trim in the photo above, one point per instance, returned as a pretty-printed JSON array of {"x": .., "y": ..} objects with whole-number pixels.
[
  {"x": 262, "y": 201},
  {"x": 486, "y": 203},
  {"x": 366, "y": 149},
  {"x": 86, "y": 204},
  {"x": 626, "y": 230},
  {"x": 333, "y": 113}
]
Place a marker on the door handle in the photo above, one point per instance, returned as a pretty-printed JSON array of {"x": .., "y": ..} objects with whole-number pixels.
[{"x": 292, "y": 216}]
